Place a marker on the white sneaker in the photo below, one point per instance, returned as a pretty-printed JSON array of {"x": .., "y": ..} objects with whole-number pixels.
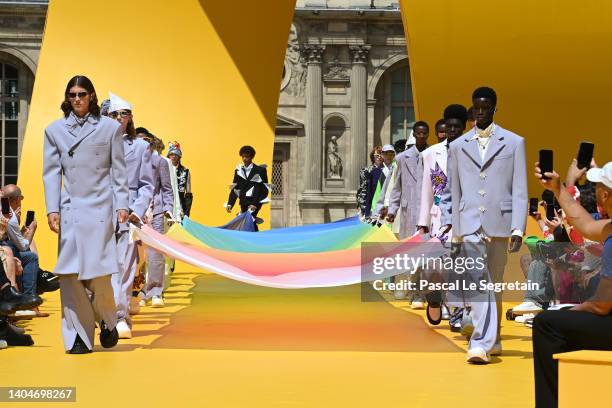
[
  {"x": 522, "y": 318},
  {"x": 417, "y": 305},
  {"x": 496, "y": 350},
  {"x": 157, "y": 301},
  {"x": 400, "y": 294},
  {"x": 134, "y": 306},
  {"x": 526, "y": 307},
  {"x": 477, "y": 355},
  {"x": 142, "y": 303},
  {"x": 445, "y": 313},
  {"x": 3, "y": 344},
  {"x": 25, "y": 313},
  {"x": 124, "y": 330}
]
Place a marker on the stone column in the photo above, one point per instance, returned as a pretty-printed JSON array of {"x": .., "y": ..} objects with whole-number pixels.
[
  {"x": 359, "y": 79},
  {"x": 313, "y": 56}
]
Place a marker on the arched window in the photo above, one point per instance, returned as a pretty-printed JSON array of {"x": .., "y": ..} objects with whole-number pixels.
[
  {"x": 402, "y": 106},
  {"x": 9, "y": 122}
]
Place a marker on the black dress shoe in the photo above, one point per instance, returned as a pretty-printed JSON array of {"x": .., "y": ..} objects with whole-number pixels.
[
  {"x": 108, "y": 338},
  {"x": 12, "y": 337},
  {"x": 79, "y": 347},
  {"x": 46, "y": 282},
  {"x": 12, "y": 300},
  {"x": 428, "y": 313}
]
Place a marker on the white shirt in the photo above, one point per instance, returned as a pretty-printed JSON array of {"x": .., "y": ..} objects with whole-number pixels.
[
  {"x": 386, "y": 169},
  {"x": 16, "y": 237},
  {"x": 483, "y": 138},
  {"x": 247, "y": 170}
]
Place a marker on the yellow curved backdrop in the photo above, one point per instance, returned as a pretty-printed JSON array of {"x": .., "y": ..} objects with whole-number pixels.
[
  {"x": 548, "y": 60},
  {"x": 207, "y": 73}
]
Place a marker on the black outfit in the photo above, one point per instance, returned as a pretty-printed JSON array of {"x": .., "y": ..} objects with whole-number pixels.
[
  {"x": 559, "y": 331},
  {"x": 376, "y": 176},
  {"x": 249, "y": 189},
  {"x": 183, "y": 178}
]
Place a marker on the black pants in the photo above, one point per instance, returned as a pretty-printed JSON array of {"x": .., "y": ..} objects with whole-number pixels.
[{"x": 559, "y": 331}]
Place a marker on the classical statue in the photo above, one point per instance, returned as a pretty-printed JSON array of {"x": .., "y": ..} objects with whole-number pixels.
[
  {"x": 297, "y": 72},
  {"x": 334, "y": 166}
]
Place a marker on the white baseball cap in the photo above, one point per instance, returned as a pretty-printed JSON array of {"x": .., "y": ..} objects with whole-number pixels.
[
  {"x": 388, "y": 148},
  {"x": 601, "y": 175}
]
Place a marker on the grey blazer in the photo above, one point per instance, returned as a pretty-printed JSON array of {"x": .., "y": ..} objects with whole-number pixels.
[
  {"x": 163, "y": 196},
  {"x": 89, "y": 162},
  {"x": 139, "y": 173},
  {"x": 490, "y": 194},
  {"x": 407, "y": 190}
]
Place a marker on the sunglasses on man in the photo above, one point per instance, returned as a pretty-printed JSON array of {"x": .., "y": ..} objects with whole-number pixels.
[{"x": 122, "y": 113}]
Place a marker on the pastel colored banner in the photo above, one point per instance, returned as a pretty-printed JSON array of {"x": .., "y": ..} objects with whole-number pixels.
[
  {"x": 292, "y": 270},
  {"x": 349, "y": 233}
]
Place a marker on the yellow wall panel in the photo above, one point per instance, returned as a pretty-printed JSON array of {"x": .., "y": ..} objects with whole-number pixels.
[
  {"x": 206, "y": 73},
  {"x": 548, "y": 60}
]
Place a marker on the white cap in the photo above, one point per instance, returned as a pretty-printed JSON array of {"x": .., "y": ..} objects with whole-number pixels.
[
  {"x": 117, "y": 104},
  {"x": 601, "y": 175},
  {"x": 411, "y": 139},
  {"x": 388, "y": 148}
]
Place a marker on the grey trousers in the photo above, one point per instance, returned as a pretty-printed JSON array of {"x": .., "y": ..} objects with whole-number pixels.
[
  {"x": 156, "y": 263},
  {"x": 486, "y": 306},
  {"x": 127, "y": 253},
  {"x": 80, "y": 312},
  {"x": 539, "y": 272}
]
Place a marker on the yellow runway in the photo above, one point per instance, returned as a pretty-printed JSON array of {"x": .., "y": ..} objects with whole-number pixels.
[{"x": 220, "y": 343}]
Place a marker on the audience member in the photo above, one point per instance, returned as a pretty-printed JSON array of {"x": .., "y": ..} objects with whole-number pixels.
[
  {"x": 589, "y": 324},
  {"x": 20, "y": 244}
]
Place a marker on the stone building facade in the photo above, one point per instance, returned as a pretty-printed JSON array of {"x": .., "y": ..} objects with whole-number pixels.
[
  {"x": 21, "y": 29},
  {"x": 345, "y": 88}
]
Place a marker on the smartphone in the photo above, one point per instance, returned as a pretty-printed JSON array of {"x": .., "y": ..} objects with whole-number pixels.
[
  {"x": 560, "y": 235},
  {"x": 29, "y": 218},
  {"x": 533, "y": 205},
  {"x": 6, "y": 208},
  {"x": 546, "y": 161},
  {"x": 550, "y": 210},
  {"x": 585, "y": 154}
]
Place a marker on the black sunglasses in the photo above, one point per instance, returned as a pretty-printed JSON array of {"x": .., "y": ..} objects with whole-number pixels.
[
  {"x": 81, "y": 95},
  {"x": 123, "y": 114}
]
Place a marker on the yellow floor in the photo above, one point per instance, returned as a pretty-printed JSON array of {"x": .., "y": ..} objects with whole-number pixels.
[{"x": 220, "y": 343}]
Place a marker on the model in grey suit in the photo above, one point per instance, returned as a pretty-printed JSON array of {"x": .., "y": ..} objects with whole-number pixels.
[
  {"x": 88, "y": 160},
  {"x": 407, "y": 190},
  {"x": 163, "y": 203},
  {"x": 486, "y": 203},
  {"x": 140, "y": 181}
]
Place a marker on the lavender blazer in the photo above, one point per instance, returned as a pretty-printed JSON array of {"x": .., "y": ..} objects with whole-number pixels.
[
  {"x": 407, "y": 190},
  {"x": 490, "y": 194},
  {"x": 163, "y": 196},
  {"x": 89, "y": 162},
  {"x": 139, "y": 173}
]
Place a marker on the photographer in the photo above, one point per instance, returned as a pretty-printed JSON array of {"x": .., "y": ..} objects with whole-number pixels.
[
  {"x": 536, "y": 268},
  {"x": 589, "y": 324},
  {"x": 20, "y": 242}
]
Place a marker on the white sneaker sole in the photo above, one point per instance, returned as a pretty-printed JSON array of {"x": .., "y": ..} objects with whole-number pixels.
[
  {"x": 125, "y": 334},
  {"x": 477, "y": 360},
  {"x": 524, "y": 312}
]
